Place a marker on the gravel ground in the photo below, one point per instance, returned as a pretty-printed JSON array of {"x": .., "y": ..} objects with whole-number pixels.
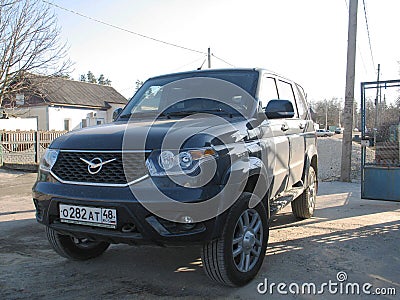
[{"x": 330, "y": 155}]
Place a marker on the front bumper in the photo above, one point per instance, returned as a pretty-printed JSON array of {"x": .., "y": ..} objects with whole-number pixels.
[{"x": 144, "y": 227}]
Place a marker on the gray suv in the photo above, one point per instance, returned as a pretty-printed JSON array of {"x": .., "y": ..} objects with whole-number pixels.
[{"x": 200, "y": 157}]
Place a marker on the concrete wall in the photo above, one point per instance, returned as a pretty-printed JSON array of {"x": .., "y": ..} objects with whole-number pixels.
[
  {"x": 38, "y": 112},
  {"x": 18, "y": 124},
  {"x": 58, "y": 115},
  {"x": 53, "y": 117}
]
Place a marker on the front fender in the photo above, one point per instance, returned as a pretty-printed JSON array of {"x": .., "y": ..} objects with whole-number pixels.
[
  {"x": 250, "y": 175},
  {"x": 241, "y": 170}
]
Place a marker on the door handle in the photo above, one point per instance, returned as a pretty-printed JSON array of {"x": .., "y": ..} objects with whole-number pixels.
[
  {"x": 302, "y": 125},
  {"x": 284, "y": 127}
]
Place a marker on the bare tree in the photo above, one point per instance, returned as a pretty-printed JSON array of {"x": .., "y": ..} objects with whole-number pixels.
[
  {"x": 29, "y": 43},
  {"x": 328, "y": 112}
]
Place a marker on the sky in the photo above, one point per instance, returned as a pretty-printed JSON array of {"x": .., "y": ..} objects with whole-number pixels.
[{"x": 305, "y": 40}]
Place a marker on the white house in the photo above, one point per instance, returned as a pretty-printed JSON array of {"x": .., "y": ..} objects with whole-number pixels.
[{"x": 63, "y": 104}]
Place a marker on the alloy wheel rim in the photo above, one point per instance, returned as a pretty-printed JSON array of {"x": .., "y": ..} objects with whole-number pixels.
[
  {"x": 247, "y": 240},
  {"x": 311, "y": 193}
]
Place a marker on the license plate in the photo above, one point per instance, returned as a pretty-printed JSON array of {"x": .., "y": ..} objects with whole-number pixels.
[{"x": 90, "y": 216}]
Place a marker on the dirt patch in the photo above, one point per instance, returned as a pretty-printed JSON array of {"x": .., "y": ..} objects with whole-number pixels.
[{"x": 359, "y": 237}]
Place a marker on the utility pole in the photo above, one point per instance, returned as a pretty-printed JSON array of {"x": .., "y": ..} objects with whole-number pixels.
[
  {"x": 326, "y": 114},
  {"x": 377, "y": 104},
  {"x": 349, "y": 95},
  {"x": 209, "y": 57}
]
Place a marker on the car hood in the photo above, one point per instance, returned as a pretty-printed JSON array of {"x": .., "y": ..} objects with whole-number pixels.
[{"x": 149, "y": 134}]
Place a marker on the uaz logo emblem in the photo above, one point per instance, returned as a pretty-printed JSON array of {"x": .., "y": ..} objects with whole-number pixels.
[{"x": 96, "y": 164}]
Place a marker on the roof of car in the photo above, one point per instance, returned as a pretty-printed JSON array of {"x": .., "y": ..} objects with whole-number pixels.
[{"x": 205, "y": 71}]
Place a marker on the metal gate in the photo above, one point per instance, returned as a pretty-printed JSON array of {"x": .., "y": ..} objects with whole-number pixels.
[{"x": 380, "y": 140}]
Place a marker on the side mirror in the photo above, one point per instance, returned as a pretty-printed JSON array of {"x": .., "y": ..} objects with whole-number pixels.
[
  {"x": 279, "y": 109},
  {"x": 116, "y": 113}
]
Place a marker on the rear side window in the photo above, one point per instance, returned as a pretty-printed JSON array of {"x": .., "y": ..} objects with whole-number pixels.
[
  {"x": 267, "y": 91},
  {"x": 285, "y": 91},
  {"x": 301, "y": 103}
]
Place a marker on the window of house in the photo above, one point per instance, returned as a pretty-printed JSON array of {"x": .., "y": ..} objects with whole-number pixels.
[
  {"x": 285, "y": 90},
  {"x": 84, "y": 123},
  {"x": 267, "y": 91},
  {"x": 67, "y": 124},
  {"x": 99, "y": 121}
]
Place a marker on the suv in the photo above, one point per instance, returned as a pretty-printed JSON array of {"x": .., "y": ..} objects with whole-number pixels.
[{"x": 201, "y": 157}]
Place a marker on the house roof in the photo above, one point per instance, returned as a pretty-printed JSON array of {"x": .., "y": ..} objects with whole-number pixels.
[{"x": 56, "y": 90}]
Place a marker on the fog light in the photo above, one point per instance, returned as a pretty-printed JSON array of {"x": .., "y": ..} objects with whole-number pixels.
[
  {"x": 187, "y": 220},
  {"x": 186, "y": 227}
]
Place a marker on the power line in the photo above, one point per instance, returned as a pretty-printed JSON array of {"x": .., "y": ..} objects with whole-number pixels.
[
  {"x": 222, "y": 60},
  {"x": 189, "y": 63},
  {"x": 369, "y": 37},
  {"x": 124, "y": 29}
]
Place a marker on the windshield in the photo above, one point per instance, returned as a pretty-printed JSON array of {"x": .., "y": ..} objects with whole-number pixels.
[{"x": 217, "y": 92}]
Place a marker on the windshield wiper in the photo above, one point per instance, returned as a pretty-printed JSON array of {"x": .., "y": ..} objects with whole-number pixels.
[
  {"x": 191, "y": 112},
  {"x": 176, "y": 113},
  {"x": 126, "y": 116},
  {"x": 143, "y": 114}
]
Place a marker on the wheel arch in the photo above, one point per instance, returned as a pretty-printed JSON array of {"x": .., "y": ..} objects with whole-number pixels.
[
  {"x": 256, "y": 180},
  {"x": 310, "y": 159}
]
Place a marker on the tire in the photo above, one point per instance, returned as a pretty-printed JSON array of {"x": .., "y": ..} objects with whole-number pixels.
[
  {"x": 236, "y": 257},
  {"x": 303, "y": 207},
  {"x": 73, "y": 248}
]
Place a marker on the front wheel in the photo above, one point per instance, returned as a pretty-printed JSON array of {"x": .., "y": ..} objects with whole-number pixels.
[
  {"x": 73, "y": 248},
  {"x": 236, "y": 257}
]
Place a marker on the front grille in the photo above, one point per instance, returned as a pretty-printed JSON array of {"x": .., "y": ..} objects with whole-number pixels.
[{"x": 124, "y": 169}]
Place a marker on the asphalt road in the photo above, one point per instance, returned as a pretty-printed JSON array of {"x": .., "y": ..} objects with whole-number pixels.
[{"x": 347, "y": 234}]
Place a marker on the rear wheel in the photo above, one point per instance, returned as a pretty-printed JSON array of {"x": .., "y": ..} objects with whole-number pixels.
[
  {"x": 73, "y": 248},
  {"x": 303, "y": 207},
  {"x": 236, "y": 257}
]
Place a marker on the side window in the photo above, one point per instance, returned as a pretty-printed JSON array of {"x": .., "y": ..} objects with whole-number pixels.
[
  {"x": 301, "y": 103},
  {"x": 267, "y": 91},
  {"x": 286, "y": 93}
]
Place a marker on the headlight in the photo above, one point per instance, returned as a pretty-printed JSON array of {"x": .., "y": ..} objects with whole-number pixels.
[
  {"x": 182, "y": 162},
  {"x": 48, "y": 160},
  {"x": 185, "y": 159},
  {"x": 166, "y": 160}
]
